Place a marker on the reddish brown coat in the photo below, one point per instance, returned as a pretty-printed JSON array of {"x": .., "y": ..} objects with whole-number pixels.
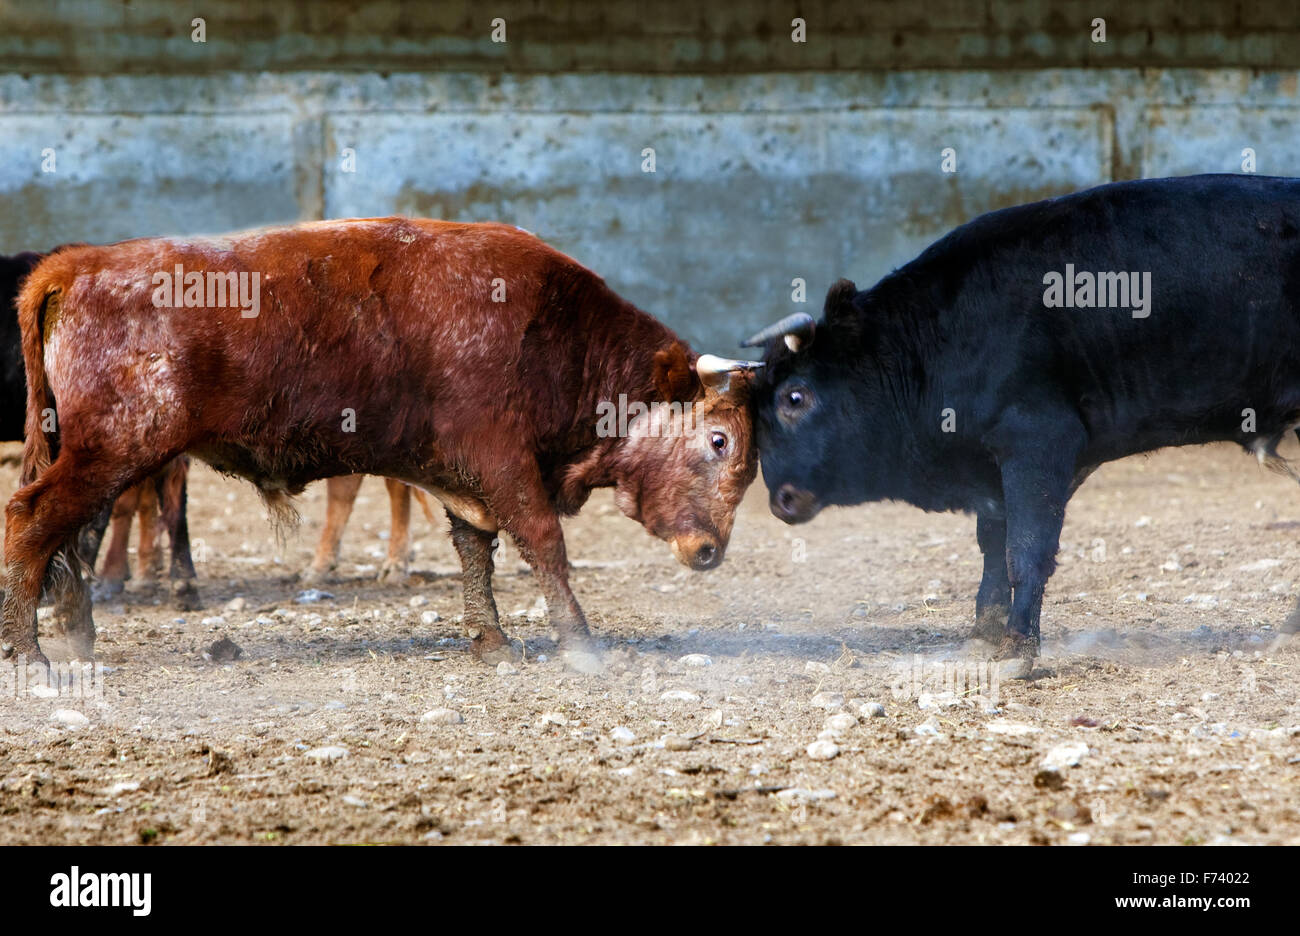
[{"x": 378, "y": 348}]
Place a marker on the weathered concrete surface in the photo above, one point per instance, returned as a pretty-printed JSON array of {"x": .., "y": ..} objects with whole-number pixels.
[
  {"x": 738, "y": 206},
  {"x": 155, "y": 36},
  {"x": 79, "y": 177},
  {"x": 759, "y": 178}
]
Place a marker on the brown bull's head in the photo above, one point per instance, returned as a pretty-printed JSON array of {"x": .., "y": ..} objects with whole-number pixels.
[{"x": 686, "y": 461}]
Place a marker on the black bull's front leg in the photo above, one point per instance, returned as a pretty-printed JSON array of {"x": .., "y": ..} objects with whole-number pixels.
[{"x": 1039, "y": 469}]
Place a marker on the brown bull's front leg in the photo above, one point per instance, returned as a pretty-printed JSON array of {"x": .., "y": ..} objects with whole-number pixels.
[{"x": 541, "y": 541}]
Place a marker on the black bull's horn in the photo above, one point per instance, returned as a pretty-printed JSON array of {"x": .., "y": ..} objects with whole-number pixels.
[
  {"x": 796, "y": 329},
  {"x": 715, "y": 372}
]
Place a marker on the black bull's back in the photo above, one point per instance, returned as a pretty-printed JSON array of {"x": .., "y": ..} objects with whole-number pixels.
[
  {"x": 1202, "y": 339},
  {"x": 1016, "y": 354}
]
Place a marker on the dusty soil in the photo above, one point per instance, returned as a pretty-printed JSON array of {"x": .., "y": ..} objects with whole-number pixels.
[{"x": 1160, "y": 676}]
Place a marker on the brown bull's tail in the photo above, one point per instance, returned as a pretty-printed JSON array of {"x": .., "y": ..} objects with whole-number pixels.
[{"x": 38, "y": 311}]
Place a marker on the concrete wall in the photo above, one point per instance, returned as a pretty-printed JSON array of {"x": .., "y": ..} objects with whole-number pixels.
[{"x": 761, "y": 176}]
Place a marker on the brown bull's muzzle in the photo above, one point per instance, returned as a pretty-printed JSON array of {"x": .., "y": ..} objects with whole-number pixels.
[{"x": 700, "y": 551}]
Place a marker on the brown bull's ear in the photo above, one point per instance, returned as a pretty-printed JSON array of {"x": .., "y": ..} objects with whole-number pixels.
[{"x": 674, "y": 377}]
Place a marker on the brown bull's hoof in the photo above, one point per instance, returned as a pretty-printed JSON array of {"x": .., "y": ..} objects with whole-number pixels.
[
  {"x": 24, "y": 654},
  {"x": 493, "y": 647},
  {"x": 1016, "y": 654},
  {"x": 185, "y": 595}
]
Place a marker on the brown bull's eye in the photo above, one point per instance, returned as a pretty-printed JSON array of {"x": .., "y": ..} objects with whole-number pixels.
[{"x": 718, "y": 440}]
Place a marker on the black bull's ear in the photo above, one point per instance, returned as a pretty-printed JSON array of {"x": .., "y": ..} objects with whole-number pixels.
[{"x": 839, "y": 305}]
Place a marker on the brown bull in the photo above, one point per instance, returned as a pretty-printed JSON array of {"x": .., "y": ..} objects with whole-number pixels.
[{"x": 470, "y": 360}]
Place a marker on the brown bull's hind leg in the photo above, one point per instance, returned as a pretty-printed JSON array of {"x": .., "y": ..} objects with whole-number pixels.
[
  {"x": 42, "y": 518},
  {"x": 488, "y": 641},
  {"x": 394, "y": 568},
  {"x": 72, "y": 614},
  {"x": 341, "y": 493}
]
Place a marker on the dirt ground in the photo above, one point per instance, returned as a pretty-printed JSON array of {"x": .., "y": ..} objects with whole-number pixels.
[{"x": 1162, "y": 711}]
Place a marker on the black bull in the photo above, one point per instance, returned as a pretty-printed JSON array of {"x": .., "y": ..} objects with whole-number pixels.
[{"x": 999, "y": 368}]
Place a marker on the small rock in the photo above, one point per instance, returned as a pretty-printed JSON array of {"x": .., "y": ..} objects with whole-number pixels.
[
  {"x": 1065, "y": 755},
  {"x": 70, "y": 718},
  {"x": 925, "y": 702},
  {"x": 237, "y": 604},
  {"x": 823, "y": 750},
  {"x": 126, "y": 786},
  {"x": 554, "y": 718},
  {"x": 430, "y": 617},
  {"x": 1049, "y": 780},
  {"x": 622, "y": 736},
  {"x": 1078, "y": 838},
  {"x": 841, "y": 722},
  {"x": 506, "y": 668},
  {"x": 1013, "y": 729},
  {"x": 355, "y": 801},
  {"x": 872, "y": 710},
  {"x": 696, "y": 659},
  {"x": 677, "y": 743},
  {"x": 418, "y": 601},
  {"x": 814, "y": 668},
  {"x": 442, "y": 716},
  {"x": 928, "y": 729},
  {"x": 679, "y": 695},
  {"x": 224, "y": 650},
  {"x": 331, "y": 752},
  {"x": 310, "y": 595},
  {"x": 800, "y": 795},
  {"x": 827, "y": 700}
]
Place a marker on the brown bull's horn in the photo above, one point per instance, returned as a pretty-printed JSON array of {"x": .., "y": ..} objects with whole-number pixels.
[
  {"x": 715, "y": 372},
  {"x": 796, "y": 329}
]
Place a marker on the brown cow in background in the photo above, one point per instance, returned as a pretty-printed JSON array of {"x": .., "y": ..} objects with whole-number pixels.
[{"x": 471, "y": 360}]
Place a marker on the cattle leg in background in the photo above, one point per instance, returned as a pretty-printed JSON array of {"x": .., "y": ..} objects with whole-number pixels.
[
  {"x": 341, "y": 494},
  {"x": 116, "y": 569},
  {"x": 395, "y": 566},
  {"x": 160, "y": 503},
  {"x": 172, "y": 487}
]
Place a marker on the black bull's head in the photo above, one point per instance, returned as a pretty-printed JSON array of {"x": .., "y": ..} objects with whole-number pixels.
[{"x": 817, "y": 403}]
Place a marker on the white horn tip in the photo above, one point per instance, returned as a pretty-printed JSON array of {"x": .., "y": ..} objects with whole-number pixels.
[{"x": 792, "y": 342}]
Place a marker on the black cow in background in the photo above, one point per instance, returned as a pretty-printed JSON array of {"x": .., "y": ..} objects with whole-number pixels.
[
  {"x": 999, "y": 368},
  {"x": 160, "y": 500}
]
